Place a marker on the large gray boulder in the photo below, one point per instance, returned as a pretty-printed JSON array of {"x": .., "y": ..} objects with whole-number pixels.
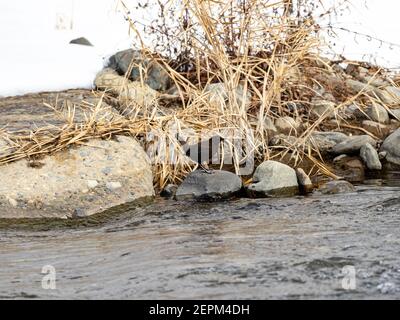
[
  {"x": 274, "y": 179},
  {"x": 21, "y": 115},
  {"x": 209, "y": 185},
  {"x": 391, "y": 147},
  {"x": 79, "y": 181},
  {"x": 352, "y": 145},
  {"x": 138, "y": 65}
]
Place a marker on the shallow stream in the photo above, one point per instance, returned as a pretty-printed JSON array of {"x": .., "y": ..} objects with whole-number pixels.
[{"x": 242, "y": 249}]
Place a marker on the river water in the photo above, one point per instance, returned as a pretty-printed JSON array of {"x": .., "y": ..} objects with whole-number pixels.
[{"x": 292, "y": 248}]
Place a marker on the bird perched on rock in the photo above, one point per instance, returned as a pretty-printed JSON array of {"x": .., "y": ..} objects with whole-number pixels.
[{"x": 204, "y": 152}]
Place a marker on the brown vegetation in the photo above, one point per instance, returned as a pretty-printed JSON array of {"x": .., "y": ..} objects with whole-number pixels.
[{"x": 270, "y": 49}]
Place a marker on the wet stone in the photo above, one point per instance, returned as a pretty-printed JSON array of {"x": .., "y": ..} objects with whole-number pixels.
[
  {"x": 370, "y": 157},
  {"x": 209, "y": 185},
  {"x": 305, "y": 184},
  {"x": 335, "y": 187},
  {"x": 273, "y": 179},
  {"x": 169, "y": 191}
]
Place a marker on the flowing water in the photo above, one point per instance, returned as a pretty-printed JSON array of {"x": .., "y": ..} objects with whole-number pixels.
[{"x": 294, "y": 248}]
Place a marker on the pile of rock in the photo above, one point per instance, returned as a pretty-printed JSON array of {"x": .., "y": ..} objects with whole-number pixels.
[
  {"x": 137, "y": 67},
  {"x": 82, "y": 181},
  {"x": 270, "y": 179},
  {"x": 135, "y": 77}
]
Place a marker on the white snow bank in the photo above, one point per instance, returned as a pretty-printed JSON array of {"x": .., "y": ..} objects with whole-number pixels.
[
  {"x": 35, "y": 54},
  {"x": 26, "y": 69}
]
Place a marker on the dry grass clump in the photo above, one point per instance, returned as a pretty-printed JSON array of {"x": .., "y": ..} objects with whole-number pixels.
[
  {"x": 97, "y": 123},
  {"x": 265, "y": 56},
  {"x": 270, "y": 49}
]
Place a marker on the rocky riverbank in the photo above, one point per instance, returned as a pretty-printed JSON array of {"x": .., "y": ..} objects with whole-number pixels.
[
  {"x": 72, "y": 154},
  {"x": 77, "y": 181}
]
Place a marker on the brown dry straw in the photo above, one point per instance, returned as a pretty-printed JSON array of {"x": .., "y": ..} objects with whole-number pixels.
[{"x": 265, "y": 55}]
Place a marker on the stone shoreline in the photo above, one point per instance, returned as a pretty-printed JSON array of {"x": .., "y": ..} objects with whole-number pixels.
[
  {"x": 77, "y": 182},
  {"x": 98, "y": 174}
]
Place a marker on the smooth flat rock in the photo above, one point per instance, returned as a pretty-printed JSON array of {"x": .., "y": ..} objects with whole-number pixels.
[
  {"x": 213, "y": 185},
  {"x": 81, "y": 41}
]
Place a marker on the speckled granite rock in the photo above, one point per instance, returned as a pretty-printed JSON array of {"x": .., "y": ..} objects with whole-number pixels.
[{"x": 76, "y": 182}]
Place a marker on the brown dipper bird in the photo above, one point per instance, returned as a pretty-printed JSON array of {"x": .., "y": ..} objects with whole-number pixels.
[{"x": 204, "y": 151}]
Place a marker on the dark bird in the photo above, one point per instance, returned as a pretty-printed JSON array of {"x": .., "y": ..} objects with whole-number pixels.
[{"x": 204, "y": 152}]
